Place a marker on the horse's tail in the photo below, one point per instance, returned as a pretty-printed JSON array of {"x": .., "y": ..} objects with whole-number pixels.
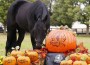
[{"x": 12, "y": 11}]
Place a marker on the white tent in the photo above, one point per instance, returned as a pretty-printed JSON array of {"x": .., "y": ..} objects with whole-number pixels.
[{"x": 78, "y": 25}]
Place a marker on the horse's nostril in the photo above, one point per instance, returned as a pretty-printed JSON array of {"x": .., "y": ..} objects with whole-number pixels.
[{"x": 38, "y": 46}]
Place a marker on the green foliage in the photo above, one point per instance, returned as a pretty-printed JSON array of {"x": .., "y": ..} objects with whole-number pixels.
[
  {"x": 44, "y": 1},
  {"x": 4, "y": 5},
  {"x": 67, "y": 11},
  {"x": 63, "y": 12}
]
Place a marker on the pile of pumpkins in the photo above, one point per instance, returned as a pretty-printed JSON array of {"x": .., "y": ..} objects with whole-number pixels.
[
  {"x": 76, "y": 59},
  {"x": 16, "y": 57},
  {"x": 64, "y": 41},
  {"x": 79, "y": 56}
]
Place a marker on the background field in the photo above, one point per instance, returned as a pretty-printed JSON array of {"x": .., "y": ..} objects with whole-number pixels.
[{"x": 26, "y": 44}]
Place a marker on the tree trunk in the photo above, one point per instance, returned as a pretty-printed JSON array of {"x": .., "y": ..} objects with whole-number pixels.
[
  {"x": 50, "y": 7},
  {"x": 87, "y": 30}
]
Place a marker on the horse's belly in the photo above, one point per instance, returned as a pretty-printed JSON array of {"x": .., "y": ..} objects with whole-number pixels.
[
  {"x": 22, "y": 23},
  {"x": 21, "y": 17}
]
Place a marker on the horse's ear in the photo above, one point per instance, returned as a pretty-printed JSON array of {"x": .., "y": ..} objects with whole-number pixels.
[{"x": 44, "y": 14}]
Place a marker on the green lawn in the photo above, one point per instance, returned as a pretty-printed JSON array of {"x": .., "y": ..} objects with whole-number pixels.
[
  {"x": 26, "y": 44},
  {"x": 85, "y": 40}
]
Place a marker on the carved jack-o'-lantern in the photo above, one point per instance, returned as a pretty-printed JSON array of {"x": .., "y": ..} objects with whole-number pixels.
[
  {"x": 33, "y": 55},
  {"x": 23, "y": 60},
  {"x": 9, "y": 60},
  {"x": 60, "y": 41}
]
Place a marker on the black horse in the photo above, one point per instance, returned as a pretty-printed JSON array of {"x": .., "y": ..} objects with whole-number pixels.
[{"x": 25, "y": 16}]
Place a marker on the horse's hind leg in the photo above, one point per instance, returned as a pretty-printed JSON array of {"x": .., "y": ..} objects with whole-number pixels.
[
  {"x": 11, "y": 39},
  {"x": 21, "y": 34}
]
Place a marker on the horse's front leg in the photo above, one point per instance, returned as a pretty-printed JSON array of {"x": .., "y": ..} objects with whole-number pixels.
[
  {"x": 11, "y": 40},
  {"x": 21, "y": 34},
  {"x": 33, "y": 42}
]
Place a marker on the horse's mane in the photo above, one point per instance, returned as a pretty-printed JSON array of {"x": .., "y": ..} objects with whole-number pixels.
[{"x": 35, "y": 5}]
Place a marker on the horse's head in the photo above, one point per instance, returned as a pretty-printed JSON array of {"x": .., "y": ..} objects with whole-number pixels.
[
  {"x": 41, "y": 16},
  {"x": 39, "y": 33}
]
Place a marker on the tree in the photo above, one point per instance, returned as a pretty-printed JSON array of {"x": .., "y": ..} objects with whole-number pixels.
[
  {"x": 4, "y": 5},
  {"x": 67, "y": 11},
  {"x": 85, "y": 14},
  {"x": 63, "y": 12}
]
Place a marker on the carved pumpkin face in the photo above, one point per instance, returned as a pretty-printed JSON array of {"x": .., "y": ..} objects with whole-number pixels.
[
  {"x": 33, "y": 55},
  {"x": 23, "y": 60},
  {"x": 60, "y": 41},
  {"x": 9, "y": 60}
]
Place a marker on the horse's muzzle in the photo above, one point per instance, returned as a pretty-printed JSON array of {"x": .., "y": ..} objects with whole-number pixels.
[{"x": 38, "y": 46}]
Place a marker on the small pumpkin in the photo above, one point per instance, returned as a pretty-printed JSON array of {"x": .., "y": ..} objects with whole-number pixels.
[
  {"x": 69, "y": 62},
  {"x": 17, "y": 52},
  {"x": 75, "y": 56},
  {"x": 33, "y": 55},
  {"x": 79, "y": 63},
  {"x": 63, "y": 62},
  {"x": 66, "y": 62},
  {"x": 23, "y": 60},
  {"x": 9, "y": 60},
  {"x": 88, "y": 59},
  {"x": 84, "y": 57},
  {"x": 60, "y": 41}
]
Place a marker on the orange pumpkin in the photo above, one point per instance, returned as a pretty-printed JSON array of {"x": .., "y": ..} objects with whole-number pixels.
[
  {"x": 79, "y": 63},
  {"x": 23, "y": 60},
  {"x": 88, "y": 59},
  {"x": 60, "y": 41},
  {"x": 15, "y": 53},
  {"x": 75, "y": 56},
  {"x": 69, "y": 62},
  {"x": 33, "y": 55},
  {"x": 66, "y": 62},
  {"x": 10, "y": 60}
]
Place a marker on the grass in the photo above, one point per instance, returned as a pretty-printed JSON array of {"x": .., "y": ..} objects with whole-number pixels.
[
  {"x": 85, "y": 40},
  {"x": 26, "y": 44}
]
